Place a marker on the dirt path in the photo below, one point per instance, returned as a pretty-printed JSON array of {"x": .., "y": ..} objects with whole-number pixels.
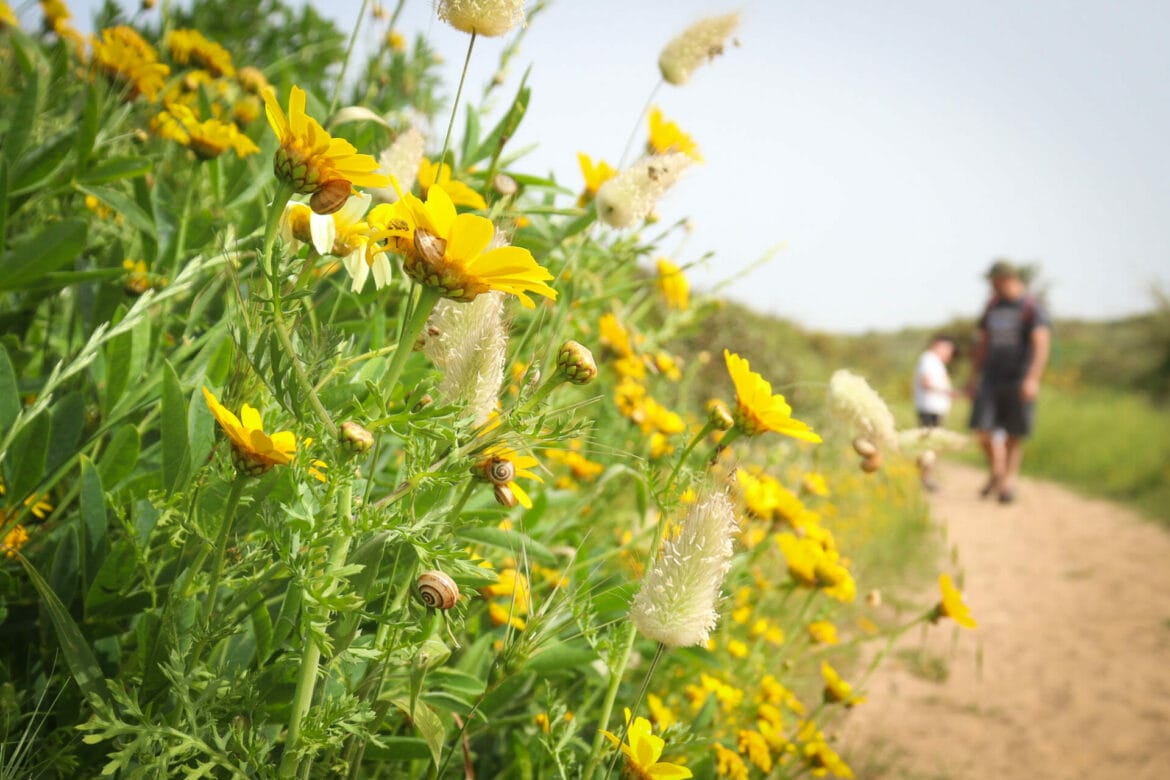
[{"x": 1068, "y": 674}]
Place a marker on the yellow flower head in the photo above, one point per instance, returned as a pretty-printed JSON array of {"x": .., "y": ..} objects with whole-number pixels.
[
  {"x": 430, "y": 173},
  {"x": 126, "y": 58},
  {"x": 451, "y": 253},
  {"x": 309, "y": 158},
  {"x": 642, "y": 750},
  {"x": 188, "y": 45},
  {"x": 952, "y": 605},
  {"x": 756, "y": 409},
  {"x": 673, "y": 285},
  {"x": 502, "y": 465},
  {"x": 836, "y": 689},
  {"x": 512, "y": 599},
  {"x": 595, "y": 175},
  {"x": 13, "y": 540},
  {"x": 208, "y": 138},
  {"x": 7, "y": 17},
  {"x": 666, "y": 136},
  {"x": 823, "y": 632},
  {"x": 253, "y": 451},
  {"x": 729, "y": 764},
  {"x": 755, "y": 747}
]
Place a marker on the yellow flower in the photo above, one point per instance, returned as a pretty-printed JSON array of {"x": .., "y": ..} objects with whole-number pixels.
[
  {"x": 823, "y": 632},
  {"x": 642, "y": 750},
  {"x": 208, "y": 138},
  {"x": 814, "y": 483},
  {"x": 756, "y": 409},
  {"x": 818, "y": 756},
  {"x": 396, "y": 42},
  {"x": 753, "y": 744},
  {"x": 673, "y": 285},
  {"x": 952, "y": 605},
  {"x": 430, "y": 174},
  {"x": 7, "y": 17},
  {"x": 836, "y": 689},
  {"x": 452, "y": 253},
  {"x": 309, "y": 158},
  {"x": 666, "y": 137},
  {"x": 187, "y": 45},
  {"x": 614, "y": 335},
  {"x": 512, "y": 586},
  {"x": 126, "y": 58},
  {"x": 254, "y": 451},
  {"x": 662, "y": 715},
  {"x": 737, "y": 649},
  {"x": 729, "y": 764},
  {"x": 13, "y": 540},
  {"x": 595, "y": 175}
]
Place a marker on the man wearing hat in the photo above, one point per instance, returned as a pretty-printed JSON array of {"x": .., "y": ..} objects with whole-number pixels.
[{"x": 1009, "y": 359}]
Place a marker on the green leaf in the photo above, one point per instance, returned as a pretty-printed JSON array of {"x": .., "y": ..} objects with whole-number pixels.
[
  {"x": 68, "y": 421},
  {"x": 503, "y": 132},
  {"x": 25, "y": 462},
  {"x": 176, "y": 455},
  {"x": 33, "y": 255},
  {"x": 32, "y": 170},
  {"x": 27, "y": 108},
  {"x": 93, "y": 520},
  {"x": 117, "y": 462},
  {"x": 9, "y": 393},
  {"x": 66, "y": 565},
  {"x": 397, "y": 749},
  {"x": 78, "y": 655},
  {"x": 113, "y": 578},
  {"x": 427, "y": 723},
  {"x": 262, "y": 630},
  {"x": 89, "y": 125},
  {"x": 126, "y": 357},
  {"x": 117, "y": 168},
  {"x": 125, "y": 206},
  {"x": 3, "y": 202},
  {"x": 512, "y": 541}
]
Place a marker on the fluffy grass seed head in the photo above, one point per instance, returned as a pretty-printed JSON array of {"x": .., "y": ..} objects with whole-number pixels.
[
  {"x": 676, "y": 604},
  {"x": 482, "y": 17},
  {"x": 915, "y": 441},
  {"x": 628, "y": 198},
  {"x": 311, "y": 160},
  {"x": 855, "y": 403},
  {"x": 470, "y": 348},
  {"x": 702, "y": 41},
  {"x": 400, "y": 161}
]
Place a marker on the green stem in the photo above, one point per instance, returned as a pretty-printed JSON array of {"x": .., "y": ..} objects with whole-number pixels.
[
  {"x": 637, "y": 703},
  {"x": 345, "y": 60},
  {"x": 427, "y": 299},
  {"x": 611, "y": 692},
  {"x": 283, "y": 193},
  {"x": 311, "y": 653},
  {"x": 641, "y": 119},
  {"x": 225, "y": 530},
  {"x": 455, "y": 105},
  {"x": 707, "y": 428},
  {"x": 453, "y": 516},
  {"x": 181, "y": 234}
]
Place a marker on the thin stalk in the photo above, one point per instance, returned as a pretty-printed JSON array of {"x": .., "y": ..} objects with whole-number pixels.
[
  {"x": 311, "y": 654},
  {"x": 455, "y": 106},
  {"x": 707, "y": 428},
  {"x": 638, "y": 124},
  {"x": 345, "y": 60},
  {"x": 225, "y": 529},
  {"x": 427, "y": 299},
  {"x": 637, "y": 703}
]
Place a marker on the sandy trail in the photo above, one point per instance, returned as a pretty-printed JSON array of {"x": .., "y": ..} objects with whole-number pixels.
[{"x": 1068, "y": 674}]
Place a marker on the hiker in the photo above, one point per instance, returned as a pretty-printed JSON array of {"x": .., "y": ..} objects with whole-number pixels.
[
  {"x": 932, "y": 396},
  {"x": 1009, "y": 359}
]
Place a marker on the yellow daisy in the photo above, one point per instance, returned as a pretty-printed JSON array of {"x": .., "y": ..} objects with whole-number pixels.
[
  {"x": 7, "y": 17},
  {"x": 642, "y": 750},
  {"x": 667, "y": 137},
  {"x": 187, "y": 45},
  {"x": 836, "y": 689},
  {"x": 451, "y": 253},
  {"x": 253, "y": 451},
  {"x": 430, "y": 173},
  {"x": 595, "y": 175},
  {"x": 208, "y": 138},
  {"x": 501, "y": 466},
  {"x": 673, "y": 285},
  {"x": 126, "y": 58},
  {"x": 311, "y": 160},
  {"x": 952, "y": 605},
  {"x": 756, "y": 409}
]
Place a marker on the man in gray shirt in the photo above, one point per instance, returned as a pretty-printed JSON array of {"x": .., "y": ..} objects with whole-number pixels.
[{"x": 1014, "y": 336}]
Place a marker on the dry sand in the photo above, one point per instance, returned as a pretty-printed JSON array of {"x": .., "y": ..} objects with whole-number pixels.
[{"x": 1068, "y": 674}]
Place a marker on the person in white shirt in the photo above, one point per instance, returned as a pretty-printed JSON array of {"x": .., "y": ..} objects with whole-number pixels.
[
  {"x": 932, "y": 382},
  {"x": 932, "y": 396}
]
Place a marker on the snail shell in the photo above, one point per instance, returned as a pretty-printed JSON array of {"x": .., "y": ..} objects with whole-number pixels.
[
  {"x": 501, "y": 471},
  {"x": 505, "y": 496},
  {"x": 864, "y": 447},
  {"x": 429, "y": 247},
  {"x": 872, "y": 463},
  {"x": 437, "y": 590},
  {"x": 330, "y": 196}
]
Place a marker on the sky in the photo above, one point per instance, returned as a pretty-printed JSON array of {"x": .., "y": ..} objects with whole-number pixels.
[{"x": 886, "y": 151}]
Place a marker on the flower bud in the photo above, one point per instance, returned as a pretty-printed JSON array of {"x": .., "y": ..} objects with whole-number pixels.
[
  {"x": 355, "y": 437},
  {"x": 575, "y": 363},
  {"x": 719, "y": 416}
]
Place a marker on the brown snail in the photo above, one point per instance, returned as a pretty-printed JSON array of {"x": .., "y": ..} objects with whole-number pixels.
[
  {"x": 330, "y": 196},
  {"x": 505, "y": 496},
  {"x": 872, "y": 463},
  {"x": 500, "y": 471},
  {"x": 437, "y": 590},
  {"x": 864, "y": 447}
]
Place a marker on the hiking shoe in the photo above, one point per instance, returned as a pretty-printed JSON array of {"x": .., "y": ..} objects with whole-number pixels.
[
  {"x": 987, "y": 489},
  {"x": 1007, "y": 496}
]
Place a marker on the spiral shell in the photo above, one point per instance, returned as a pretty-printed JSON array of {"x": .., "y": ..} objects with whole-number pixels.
[
  {"x": 437, "y": 590},
  {"x": 500, "y": 471},
  {"x": 872, "y": 463},
  {"x": 864, "y": 447},
  {"x": 330, "y": 196},
  {"x": 505, "y": 496}
]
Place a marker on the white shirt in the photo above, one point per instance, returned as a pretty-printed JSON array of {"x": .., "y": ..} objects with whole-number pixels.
[{"x": 937, "y": 399}]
